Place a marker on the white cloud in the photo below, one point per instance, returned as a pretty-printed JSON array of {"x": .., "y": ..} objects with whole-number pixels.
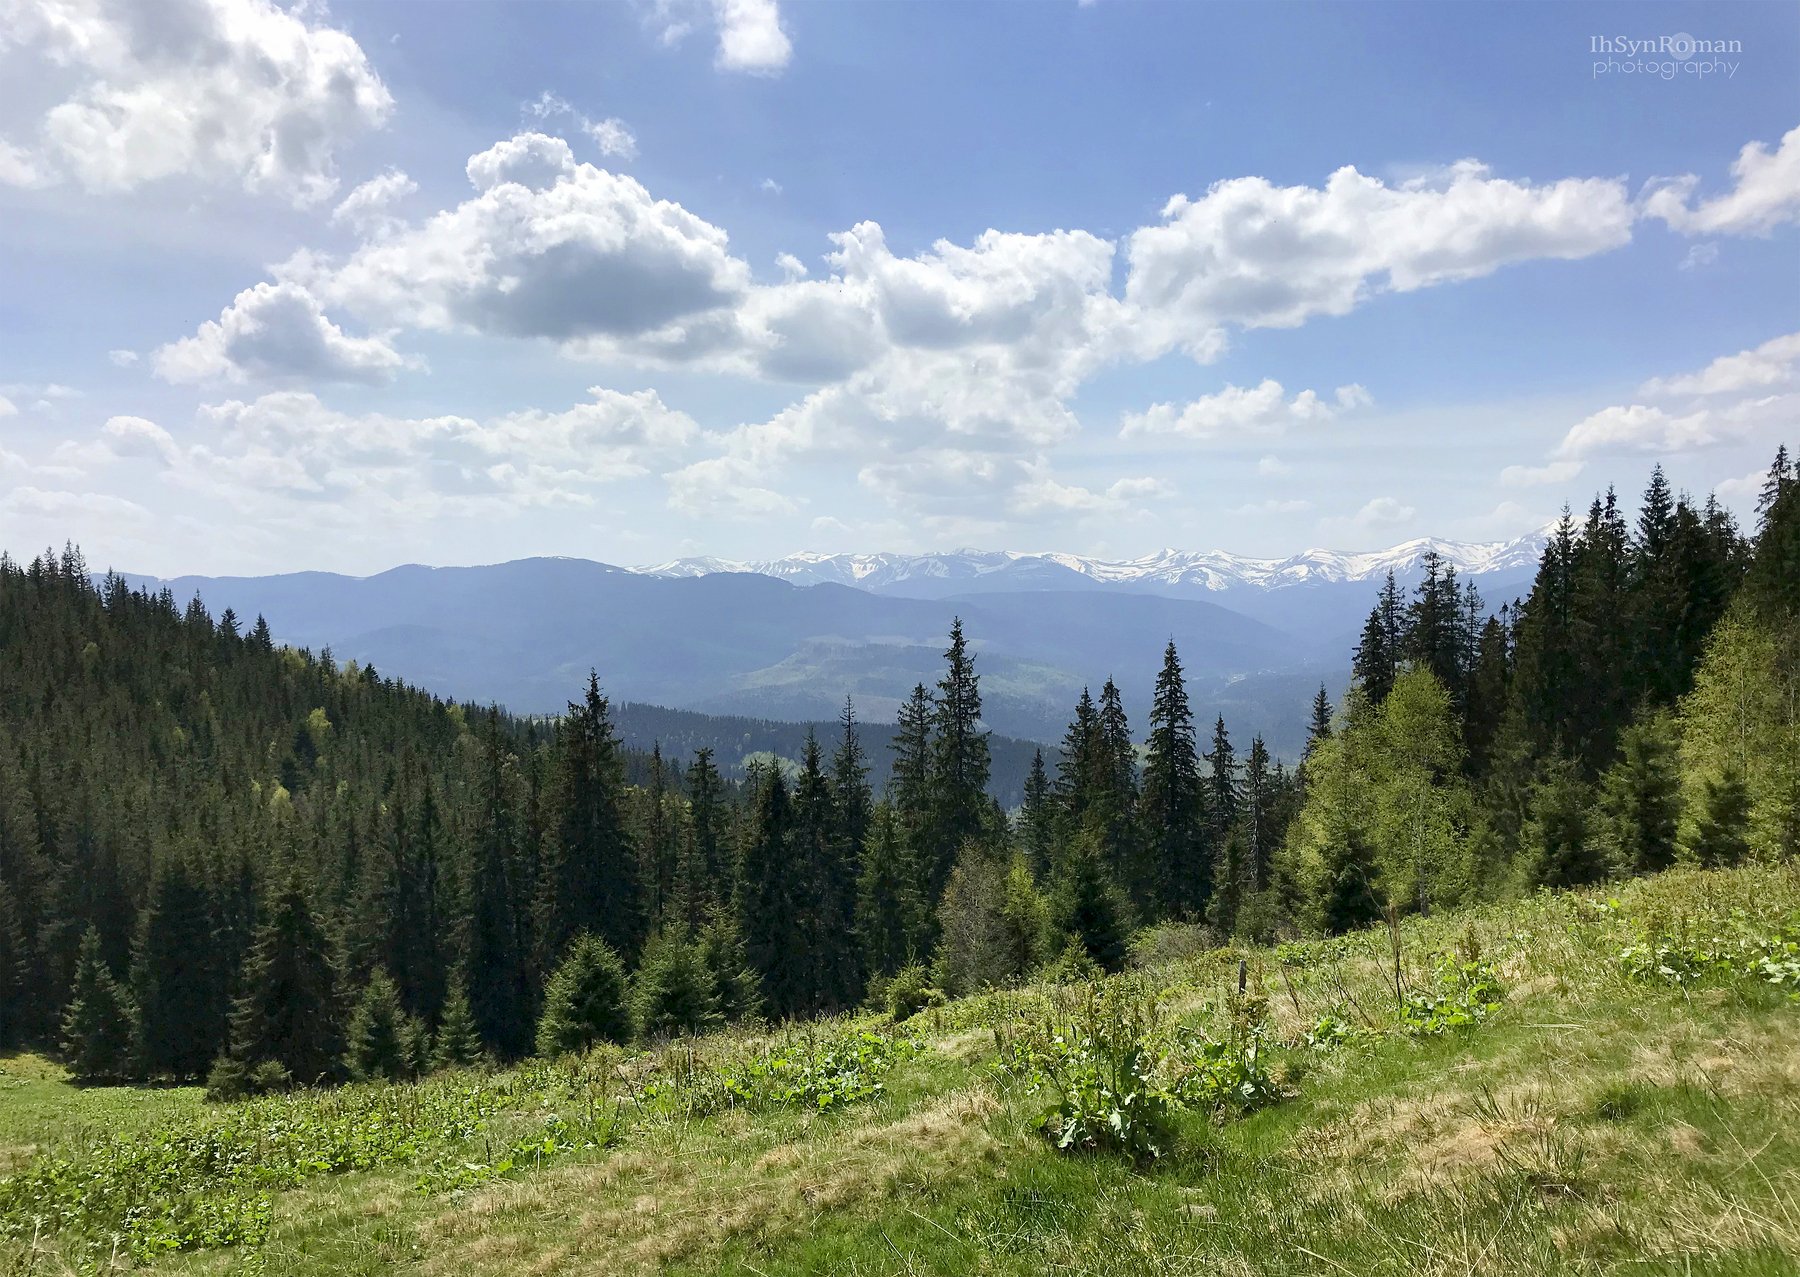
[
  {"x": 1533, "y": 476},
  {"x": 1273, "y": 467},
  {"x": 1237, "y": 411},
  {"x": 751, "y": 37},
  {"x": 792, "y": 268},
  {"x": 1383, "y": 512},
  {"x": 1259, "y": 256},
  {"x": 227, "y": 90},
  {"x": 7, "y": 407},
  {"x": 612, "y": 137},
  {"x": 367, "y": 209},
  {"x": 1774, "y": 363},
  {"x": 1699, "y": 256},
  {"x": 122, "y": 358},
  {"x": 770, "y": 185},
  {"x": 1648, "y": 428},
  {"x": 277, "y": 331},
  {"x": 725, "y": 486},
  {"x": 1766, "y": 194},
  {"x": 547, "y": 248}
]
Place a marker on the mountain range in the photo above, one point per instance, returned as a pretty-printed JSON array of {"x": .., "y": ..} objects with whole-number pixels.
[{"x": 789, "y": 639}]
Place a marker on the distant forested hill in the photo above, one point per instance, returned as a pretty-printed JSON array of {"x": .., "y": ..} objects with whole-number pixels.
[{"x": 735, "y": 740}]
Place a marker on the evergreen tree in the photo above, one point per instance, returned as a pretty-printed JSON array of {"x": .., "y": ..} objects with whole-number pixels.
[
  {"x": 850, "y": 791},
  {"x": 736, "y": 987},
  {"x": 1112, "y": 805},
  {"x": 594, "y": 882},
  {"x": 585, "y": 1000},
  {"x": 772, "y": 897},
  {"x": 1037, "y": 819},
  {"x": 1379, "y": 651},
  {"x": 500, "y": 986},
  {"x": 97, "y": 1024},
  {"x": 382, "y": 1041},
  {"x": 1086, "y": 906},
  {"x": 1558, "y": 838},
  {"x": 1172, "y": 799},
  {"x": 672, "y": 993},
  {"x": 887, "y": 925},
  {"x": 288, "y": 1013},
  {"x": 959, "y": 764},
  {"x": 177, "y": 977},
  {"x": 1720, "y": 835},
  {"x": 1220, "y": 790},
  {"x": 708, "y": 822},
  {"x": 457, "y": 1042},
  {"x": 824, "y": 926},
  {"x": 1640, "y": 799},
  {"x": 1081, "y": 770}
]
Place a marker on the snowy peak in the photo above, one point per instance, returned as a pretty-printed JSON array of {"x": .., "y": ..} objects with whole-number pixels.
[{"x": 1165, "y": 570}]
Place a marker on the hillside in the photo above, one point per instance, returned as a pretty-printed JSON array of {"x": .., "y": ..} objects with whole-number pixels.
[{"x": 1602, "y": 1083}]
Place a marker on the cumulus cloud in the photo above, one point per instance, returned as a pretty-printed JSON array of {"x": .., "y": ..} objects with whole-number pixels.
[
  {"x": 546, "y": 248},
  {"x": 368, "y": 208},
  {"x": 612, "y": 135},
  {"x": 1774, "y": 363},
  {"x": 1273, "y": 467},
  {"x": 1765, "y": 195},
  {"x": 1237, "y": 411},
  {"x": 1256, "y": 255},
  {"x": 7, "y": 407},
  {"x": 277, "y": 331},
  {"x": 751, "y": 37},
  {"x": 238, "y": 91},
  {"x": 1382, "y": 513}
]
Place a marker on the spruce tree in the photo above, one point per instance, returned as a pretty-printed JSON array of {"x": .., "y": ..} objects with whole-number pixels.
[
  {"x": 1640, "y": 799},
  {"x": 1112, "y": 805},
  {"x": 1173, "y": 802},
  {"x": 1036, "y": 826},
  {"x": 288, "y": 1013},
  {"x": 959, "y": 764},
  {"x": 381, "y": 1040},
  {"x": 457, "y": 1042},
  {"x": 1720, "y": 838},
  {"x": 736, "y": 987},
  {"x": 672, "y": 992},
  {"x": 585, "y": 1001},
  {"x": 1350, "y": 894},
  {"x": 177, "y": 976},
  {"x": 97, "y": 1024},
  {"x": 498, "y": 970},
  {"x": 594, "y": 882},
  {"x": 1559, "y": 842},
  {"x": 887, "y": 926},
  {"x": 850, "y": 787},
  {"x": 1086, "y": 905},
  {"x": 708, "y": 833},
  {"x": 772, "y": 896}
]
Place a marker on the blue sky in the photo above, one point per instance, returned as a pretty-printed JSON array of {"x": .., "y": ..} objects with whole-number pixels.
[{"x": 339, "y": 288}]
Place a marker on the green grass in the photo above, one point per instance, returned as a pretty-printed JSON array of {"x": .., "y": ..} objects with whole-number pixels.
[{"x": 1608, "y": 1115}]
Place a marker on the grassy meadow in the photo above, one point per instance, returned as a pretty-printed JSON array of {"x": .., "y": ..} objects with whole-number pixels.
[{"x": 1604, "y": 1082}]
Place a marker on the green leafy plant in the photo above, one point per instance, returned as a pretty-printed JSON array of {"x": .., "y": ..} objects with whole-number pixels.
[{"x": 1466, "y": 991}]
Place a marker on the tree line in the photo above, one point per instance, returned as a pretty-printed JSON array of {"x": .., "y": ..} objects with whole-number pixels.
[{"x": 219, "y": 855}]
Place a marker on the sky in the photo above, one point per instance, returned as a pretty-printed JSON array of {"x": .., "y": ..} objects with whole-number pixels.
[{"x": 303, "y": 287}]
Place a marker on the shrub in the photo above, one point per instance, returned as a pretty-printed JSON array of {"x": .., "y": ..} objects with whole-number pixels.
[
  {"x": 1097, "y": 1067},
  {"x": 584, "y": 1003},
  {"x": 910, "y": 991},
  {"x": 1171, "y": 942}
]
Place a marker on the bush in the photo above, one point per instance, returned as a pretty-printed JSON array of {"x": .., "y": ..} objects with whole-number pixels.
[
  {"x": 910, "y": 991},
  {"x": 232, "y": 1079},
  {"x": 1171, "y": 942},
  {"x": 584, "y": 1003},
  {"x": 1074, "y": 965}
]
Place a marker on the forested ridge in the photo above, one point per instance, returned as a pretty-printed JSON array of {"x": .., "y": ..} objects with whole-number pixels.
[{"x": 221, "y": 855}]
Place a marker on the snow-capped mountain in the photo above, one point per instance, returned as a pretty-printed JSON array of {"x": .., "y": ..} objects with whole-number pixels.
[{"x": 1166, "y": 570}]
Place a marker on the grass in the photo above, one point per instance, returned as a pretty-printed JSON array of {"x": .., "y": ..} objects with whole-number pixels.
[{"x": 1607, "y": 1115}]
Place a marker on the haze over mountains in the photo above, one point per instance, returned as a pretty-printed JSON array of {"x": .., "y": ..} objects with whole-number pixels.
[{"x": 790, "y": 638}]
